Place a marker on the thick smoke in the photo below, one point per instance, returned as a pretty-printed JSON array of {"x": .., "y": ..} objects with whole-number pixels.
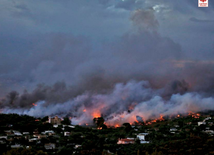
[
  {"x": 140, "y": 74},
  {"x": 145, "y": 19},
  {"x": 122, "y": 104}
]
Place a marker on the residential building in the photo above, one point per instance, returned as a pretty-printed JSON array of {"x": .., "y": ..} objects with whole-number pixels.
[{"x": 125, "y": 141}]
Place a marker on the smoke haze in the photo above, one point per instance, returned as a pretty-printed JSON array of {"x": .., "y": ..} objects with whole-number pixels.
[{"x": 106, "y": 58}]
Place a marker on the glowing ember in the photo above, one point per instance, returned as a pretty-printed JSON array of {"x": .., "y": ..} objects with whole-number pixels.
[
  {"x": 116, "y": 126},
  {"x": 34, "y": 104},
  {"x": 84, "y": 110},
  {"x": 155, "y": 120},
  {"x": 194, "y": 115}
]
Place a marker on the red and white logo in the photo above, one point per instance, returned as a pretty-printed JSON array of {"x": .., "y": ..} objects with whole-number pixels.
[{"x": 202, "y": 3}]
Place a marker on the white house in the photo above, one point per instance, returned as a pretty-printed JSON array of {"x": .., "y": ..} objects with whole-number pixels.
[
  {"x": 67, "y": 133},
  {"x": 173, "y": 130},
  {"x": 200, "y": 123},
  {"x": 17, "y": 133},
  {"x": 15, "y": 146},
  {"x": 141, "y": 136}
]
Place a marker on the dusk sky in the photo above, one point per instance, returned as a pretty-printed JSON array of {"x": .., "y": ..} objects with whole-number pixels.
[{"x": 96, "y": 43}]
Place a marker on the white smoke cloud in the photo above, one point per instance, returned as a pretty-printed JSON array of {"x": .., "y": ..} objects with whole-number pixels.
[{"x": 115, "y": 105}]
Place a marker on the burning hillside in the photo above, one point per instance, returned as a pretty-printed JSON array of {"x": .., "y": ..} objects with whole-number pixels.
[{"x": 130, "y": 102}]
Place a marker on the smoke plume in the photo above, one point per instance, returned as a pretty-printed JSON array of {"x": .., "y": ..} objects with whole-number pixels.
[{"x": 140, "y": 75}]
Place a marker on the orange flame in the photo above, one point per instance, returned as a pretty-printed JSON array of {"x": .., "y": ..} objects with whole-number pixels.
[
  {"x": 116, "y": 126},
  {"x": 84, "y": 110},
  {"x": 34, "y": 104},
  {"x": 96, "y": 114}
]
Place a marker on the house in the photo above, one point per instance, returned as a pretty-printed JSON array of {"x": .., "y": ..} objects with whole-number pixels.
[
  {"x": 200, "y": 123},
  {"x": 55, "y": 125},
  {"x": 9, "y": 133},
  {"x": 67, "y": 133},
  {"x": 77, "y": 146},
  {"x": 35, "y": 135},
  {"x": 17, "y": 134},
  {"x": 54, "y": 120},
  {"x": 177, "y": 126},
  {"x": 3, "y": 141},
  {"x": 210, "y": 132},
  {"x": 42, "y": 136},
  {"x": 3, "y": 137},
  {"x": 25, "y": 133},
  {"x": 204, "y": 121},
  {"x": 50, "y": 146},
  {"x": 49, "y": 132},
  {"x": 142, "y": 138},
  {"x": 15, "y": 146},
  {"x": 71, "y": 126},
  {"x": 33, "y": 139},
  {"x": 125, "y": 141},
  {"x": 173, "y": 130}
]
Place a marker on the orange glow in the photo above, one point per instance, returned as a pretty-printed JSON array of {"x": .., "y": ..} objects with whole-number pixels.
[
  {"x": 96, "y": 114},
  {"x": 178, "y": 115},
  {"x": 194, "y": 115},
  {"x": 155, "y": 120},
  {"x": 34, "y": 104},
  {"x": 116, "y": 126},
  {"x": 161, "y": 118},
  {"x": 84, "y": 110}
]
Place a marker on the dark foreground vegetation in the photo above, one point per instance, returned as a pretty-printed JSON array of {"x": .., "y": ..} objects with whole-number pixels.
[{"x": 26, "y": 135}]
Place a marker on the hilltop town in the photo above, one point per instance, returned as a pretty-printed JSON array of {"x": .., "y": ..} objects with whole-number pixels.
[{"x": 182, "y": 134}]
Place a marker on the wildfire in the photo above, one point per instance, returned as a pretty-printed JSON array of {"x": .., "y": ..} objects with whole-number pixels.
[
  {"x": 84, "y": 110},
  {"x": 34, "y": 104},
  {"x": 96, "y": 115},
  {"x": 116, "y": 126},
  {"x": 155, "y": 120},
  {"x": 194, "y": 115}
]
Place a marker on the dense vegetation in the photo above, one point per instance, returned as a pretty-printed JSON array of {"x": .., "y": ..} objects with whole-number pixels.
[{"x": 189, "y": 138}]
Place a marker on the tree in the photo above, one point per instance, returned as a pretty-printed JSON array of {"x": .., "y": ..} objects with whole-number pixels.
[
  {"x": 66, "y": 121},
  {"x": 128, "y": 127},
  {"x": 99, "y": 121},
  {"x": 44, "y": 119}
]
